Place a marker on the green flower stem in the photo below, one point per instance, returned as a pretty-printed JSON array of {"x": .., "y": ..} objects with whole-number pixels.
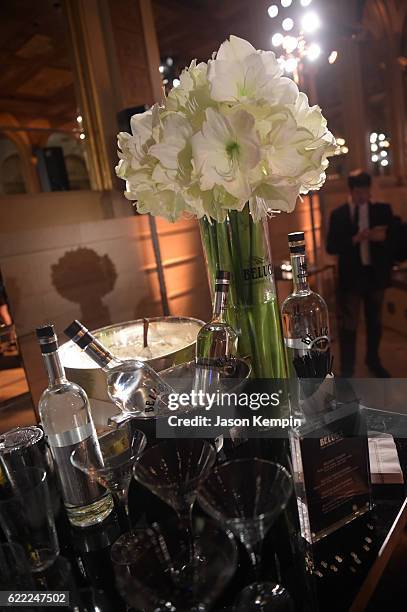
[{"x": 242, "y": 247}]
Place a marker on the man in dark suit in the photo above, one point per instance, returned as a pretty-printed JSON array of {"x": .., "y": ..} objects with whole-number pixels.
[{"x": 360, "y": 235}]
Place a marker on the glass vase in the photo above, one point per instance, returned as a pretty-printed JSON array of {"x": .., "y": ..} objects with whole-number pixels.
[{"x": 242, "y": 246}]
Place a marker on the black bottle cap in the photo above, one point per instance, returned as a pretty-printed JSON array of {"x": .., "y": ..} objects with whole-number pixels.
[
  {"x": 222, "y": 275},
  {"x": 47, "y": 338},
  {"x": 45, "y": 331},
  {"x": 296, "y": 242},
  {"x": 296, "y": 237},
  {"x": 74, "y": 328},
  {"x": 79, "y": 334}
]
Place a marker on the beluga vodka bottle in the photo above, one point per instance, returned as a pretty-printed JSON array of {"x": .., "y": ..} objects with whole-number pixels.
[
  {"x": 305, "y": 319},
  {"x": 67, "y": 422}
]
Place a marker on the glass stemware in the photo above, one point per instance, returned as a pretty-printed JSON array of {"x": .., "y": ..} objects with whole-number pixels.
[
  {"x": 110, "y": 460},
  {"x": 264, "y": 597},
  {"x": 247, "y": 495},
  {"x": 173, "y": 470},
  {"x": 153, "y": 572}
]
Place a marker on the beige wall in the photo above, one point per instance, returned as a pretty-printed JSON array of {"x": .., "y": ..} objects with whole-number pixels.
[{"x": 61, "y": 259}]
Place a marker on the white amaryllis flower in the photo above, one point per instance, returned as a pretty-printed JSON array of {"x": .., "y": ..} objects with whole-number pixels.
[
  {"x": 191, "y": 98},
  {"x": 225, "y": 151},
  {"x": 241, "y": 74},
  {"x": 173, "y": 150},
  {"x": 133, "y": 148}
]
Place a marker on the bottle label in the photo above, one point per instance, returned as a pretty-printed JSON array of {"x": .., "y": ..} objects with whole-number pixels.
[
  {"x": 72, "y": 436},
  {"x": 301, "y": 271},
  {"x": 215, "y": 362},
  {"x": 310, "y": 342},
  {"x": 257, "y": 269}
]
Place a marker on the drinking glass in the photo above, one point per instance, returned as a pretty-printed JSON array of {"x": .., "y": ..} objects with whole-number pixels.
[
  {"x": 247, "y": 495},
  {"x": 23, "y": 447},
  {"x": 153, "y": 571},
  {"x": 173, "y": 470},
  {"x": 26, "y": 516},
  {"x": 109, "y": 460}
]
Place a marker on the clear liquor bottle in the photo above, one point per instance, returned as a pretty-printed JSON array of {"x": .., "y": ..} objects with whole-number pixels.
[
  {"x": 216, "y": 344},
  {"x": 305, "y": 319},
  {"x": 132, "y": 384},
  {"x": 66, "y": 420}
]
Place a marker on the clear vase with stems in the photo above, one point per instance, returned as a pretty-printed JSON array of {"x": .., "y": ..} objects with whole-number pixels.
[{"x": 242, "y": 246}]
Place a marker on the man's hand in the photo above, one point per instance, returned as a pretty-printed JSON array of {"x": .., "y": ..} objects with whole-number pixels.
[
  {"x": 378, "y": 233},
  {"x": 360, "y": 236}
]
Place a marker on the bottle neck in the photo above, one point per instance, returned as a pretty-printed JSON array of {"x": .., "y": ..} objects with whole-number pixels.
[
  {"x": 300, "y": 274},
  {"x": 221, "y": 302},
  {"x": 100, "y": 355},
  {"x": 54, "y": 367}
]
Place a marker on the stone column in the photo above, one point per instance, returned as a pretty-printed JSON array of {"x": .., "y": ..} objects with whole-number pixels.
[
  {"x": 353, "y": 108},
  {"x": 116, "y": 59}
]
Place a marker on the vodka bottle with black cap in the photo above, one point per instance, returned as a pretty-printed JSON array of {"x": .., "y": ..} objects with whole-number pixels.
[
  {"x": 67, "y": 422},
  {"x": 132, "y": 384},
  {"x": 305, "y": 319},
  {"x": 216, "y": 344}
]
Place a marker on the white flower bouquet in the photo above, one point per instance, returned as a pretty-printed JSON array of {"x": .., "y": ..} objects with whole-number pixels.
[
  {"x": 234, "y": 141},
  {"x": 234, "y": 131}
]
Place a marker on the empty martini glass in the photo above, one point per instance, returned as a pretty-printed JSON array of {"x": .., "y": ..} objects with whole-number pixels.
[
  {"x": 109, "y": 461},
  {"x": 152, "y": 570},
  {"x": 247, "y": 495},
  {"x": 173, "y": 470}
]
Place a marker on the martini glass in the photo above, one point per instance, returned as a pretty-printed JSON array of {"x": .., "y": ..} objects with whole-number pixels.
[
  {"x": 247, "y": 495},
  {"x": 153, "y": 572},
  {"x": 173, "y": 470},
  {"x": 109, "y": 460}
]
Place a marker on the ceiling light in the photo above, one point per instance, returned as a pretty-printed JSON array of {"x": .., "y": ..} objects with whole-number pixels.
[
  {"x": 169, "y": 61},
  {"x": 313, "y": 52},
  {"x": 277, "y": 39},
  {"x": 375, "y": 158},
  {"x": 290, "y": 64},
  {"x": 286, "y": 3},
  {"x": 383, "y": 153},
  {"x": 82, "y": 136},
  {"x": 79, "y": 118},
  {"x": 305, "y": 2},
  {"x": 332, "y": 57},
  {"x": 384, "y": 162},
  {"x": 272, "y": 11},
  {"x": 373, "y": 137},
  {"x": 290, "y": 43},
  {"x": 373, "y": 147},
  {"x": 382, "y": 137},
  {"x": 310, "y": 22},
  {"x": 344, "y": 150},
  {"x": 287, "y": 24},
  {"x": 384, "y": 143},
  {"x": 176, "y": 83},
  {"x": 161, "y": 69},
  {"x": 340, "y": 141}
]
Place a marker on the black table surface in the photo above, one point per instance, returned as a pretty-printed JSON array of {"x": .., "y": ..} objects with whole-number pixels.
[{"x": 339, "y": 573}]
